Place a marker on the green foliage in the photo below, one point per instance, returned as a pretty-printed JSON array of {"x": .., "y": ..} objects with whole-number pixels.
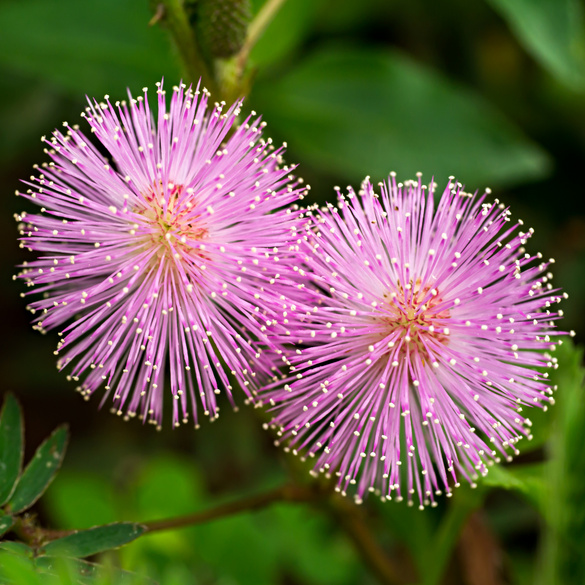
[
  {"x": 78, "y": 500},
  {"x": 11, "y": 447},
  {"x": 6, "y": 523},
  {"x": 411, "y": 528},
  {"x": 17, "y": 570},
  {"x": 286, "y": 31},
  {"x": 150, "y": 497},
  {"x": 17, "y": 548},
  {"x": 21, "y": 568},
  {"x": 258, "y": 548},
  {"x": 462, "y": 504},
  {"x": 284, "y": 540},
  {"x": 528, "y": 480},
  {"x": 312, "y": 551},
  {"x": 553, "y": 31},
  {"x": 563, "y": 558},
  {"x": 85, "y": 543},
  {"x": 86, "y": 48},
  {"x": 40, "y": 472},
  {"x": 355, "y": 112},
  {"x": 21, "y": 564}
]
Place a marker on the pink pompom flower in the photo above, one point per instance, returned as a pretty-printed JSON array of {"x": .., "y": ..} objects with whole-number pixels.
[
  {"x": 162, "y": 250},
  {"x": 428, "y": 333}
]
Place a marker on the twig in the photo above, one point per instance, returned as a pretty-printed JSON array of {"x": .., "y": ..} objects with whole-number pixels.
[
  {"x": 30, "y": 532},
  {"x": 255, "y": 30},
  {"x": 286, "y": 493},
  {"x": 348, "y": 515}
]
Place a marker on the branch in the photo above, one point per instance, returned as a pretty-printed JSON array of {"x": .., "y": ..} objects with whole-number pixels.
[
  {"x": 351, "y": 519},
  {"x": 286, "y": 493},
  {"x": 171, "y": 12},
  {"x": 349, "y": 516}
]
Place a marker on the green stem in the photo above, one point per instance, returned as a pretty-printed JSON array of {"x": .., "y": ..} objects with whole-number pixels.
[
  {"x": 255, "y": 30},
  {"x": 449, "y": 531},
  {"x": 351, "y": 519},
  {"x": 349, "y": 516},
  {"x": 194, "y": 64}
]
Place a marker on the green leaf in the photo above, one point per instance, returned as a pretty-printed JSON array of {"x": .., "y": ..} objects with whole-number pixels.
[
  {"x": 85, "y": 543},
  {"x": 553, "y": 31},
  {"x": 282, "y": 536},
  {"x": 63, "y": 566},
  {"x": 528, "y": 480},
  {"x": 17, "y": 548},
  {"x": 85, "y": 47},
  {"x": 6, "y": 523},
  {"x": 11, "y": 446},
  {"x": 356, "y": 112},
  {"x": 39, "y": 472},
  {"x": 286, "y": 31},
  {"x": 86, "y": 573},
  {"x": 65, "y": 570},
  {"x": 563, "y": 550},
  {"x": 17, "y": 570}
]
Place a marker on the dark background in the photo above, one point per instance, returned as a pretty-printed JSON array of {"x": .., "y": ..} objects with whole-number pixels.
[{"x": 492, "y": 92}]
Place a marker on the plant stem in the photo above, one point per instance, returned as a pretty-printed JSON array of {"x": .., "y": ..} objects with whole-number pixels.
[
  {"x": 449, "y": 532},
  {"x": 347, "y": 514},
  {"x": 286, "y": 493},
  {"x": 194, "y": 64},
  {"x": 351, "y": 519},
  {"x": 255, "y": 30}
]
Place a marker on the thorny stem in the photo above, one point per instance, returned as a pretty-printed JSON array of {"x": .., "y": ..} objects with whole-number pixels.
[
  {"x": 255, "y": 30},
  {"x": 175, "y": 18}
]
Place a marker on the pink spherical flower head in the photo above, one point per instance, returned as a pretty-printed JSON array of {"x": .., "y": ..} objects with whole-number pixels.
[
  {"x": 428, "y": 331},
  {"x": 167, "y": 256}
]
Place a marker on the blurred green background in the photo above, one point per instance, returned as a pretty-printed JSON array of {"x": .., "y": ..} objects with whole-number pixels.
[{"x": 491, "y": 91}]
